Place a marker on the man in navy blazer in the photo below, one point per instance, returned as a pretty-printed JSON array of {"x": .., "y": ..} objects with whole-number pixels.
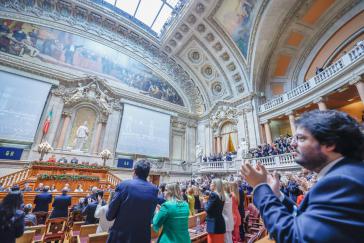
[
  {"x": 331, "y": 144},
  {"x": 42, "y": 201},
  {"x": 61, "y": 204},
  {"x": 132, "y": 207}
]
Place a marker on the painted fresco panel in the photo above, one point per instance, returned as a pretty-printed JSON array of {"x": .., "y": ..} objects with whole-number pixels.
[
  {"x": 72, "y": 51},
  {"x": 236, "y": 17}
]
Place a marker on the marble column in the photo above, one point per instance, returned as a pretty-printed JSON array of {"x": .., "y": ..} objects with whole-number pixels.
[
  {"x": 112, "y": 131},
  {"x": 360, "y": 87},
  {"x": 321, "y": 104},
  {"x": 62, "y": 136},
  {"x": 268, "y": 133},
  {"x": 99, "y": 129},
  {"x": 291, "y": 123}
]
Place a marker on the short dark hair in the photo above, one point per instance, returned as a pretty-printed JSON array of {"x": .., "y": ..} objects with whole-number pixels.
[
  {"x": 142, "y": 168},
  {"x": 337, "y": 128},
  {"x": 100, "y": 193}
]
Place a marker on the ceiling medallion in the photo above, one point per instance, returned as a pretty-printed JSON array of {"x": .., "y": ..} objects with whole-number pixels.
[
  {"x": 184, "y": 28},
  {"x": 195, "y": 56},
  {"x": 210, "y": 37},
  {"x": 191, "y": 19},
  {"x": 200, "y": 8},
  {"x": 201, "y": 28},
  {"x": 217, "y": 88},
  {"x": 207, "y": 71}
]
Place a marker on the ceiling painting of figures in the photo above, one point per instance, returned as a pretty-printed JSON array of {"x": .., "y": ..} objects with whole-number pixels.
[
  {"x": 236, "y": 18},
  {"x": 68, "y": 50}
]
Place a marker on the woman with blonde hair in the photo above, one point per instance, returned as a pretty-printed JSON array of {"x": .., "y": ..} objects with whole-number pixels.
[
  {"x": 215, "y": 223},
  {"x": 234, "y": 188},
  {"x": 191, "y": 201},
  {"x": 227, "y": 213},
  {"x": 173, "y": 217}
]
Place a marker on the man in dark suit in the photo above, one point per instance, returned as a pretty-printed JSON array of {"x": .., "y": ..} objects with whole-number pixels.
[
  {"x": 90, "y": 208},
  {"x": 42, "y": 201},
  {"x": 61, "y": 204},
  {"x": 132, "y": 207},
  {"x": 331, "y": 144}
]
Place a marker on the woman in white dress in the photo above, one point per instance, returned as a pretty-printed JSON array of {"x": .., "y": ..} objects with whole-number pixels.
[
  {"x": 100, "y": 213},
  {"x": 227, "y": 213}
]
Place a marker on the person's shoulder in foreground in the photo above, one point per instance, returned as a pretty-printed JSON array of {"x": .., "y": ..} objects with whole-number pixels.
[{"x": 331, "y": 144}]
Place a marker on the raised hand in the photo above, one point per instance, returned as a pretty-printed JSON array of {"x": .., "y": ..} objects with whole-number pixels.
[{"x": 254, "y": 176}]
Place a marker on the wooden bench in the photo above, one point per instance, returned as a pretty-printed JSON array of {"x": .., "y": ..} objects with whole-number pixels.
[
  {"x": 39, "y": 231},
  {"x": 84, "y": 232},
  {"x": 27, "y": 237}
]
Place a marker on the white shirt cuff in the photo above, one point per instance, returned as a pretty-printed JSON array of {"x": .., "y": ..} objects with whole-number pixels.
[{"x": 281, "y": 197}]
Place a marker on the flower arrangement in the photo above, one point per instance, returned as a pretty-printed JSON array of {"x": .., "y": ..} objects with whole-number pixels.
[
  {"x": 69, "y": 165},
  {"x": 105, "y": 155},
  {"x": 64, "y": 177},
  {"x": 44, "y": 148}
]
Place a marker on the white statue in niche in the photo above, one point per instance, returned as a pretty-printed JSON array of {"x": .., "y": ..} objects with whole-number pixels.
[
  {"x": 242, "y": 149},
  {"x": 199, "y": 153},
  {"x": 81, "y": 136}
]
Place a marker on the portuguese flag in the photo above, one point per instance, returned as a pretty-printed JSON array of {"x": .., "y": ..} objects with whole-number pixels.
[{"x": 47, "y": 122}]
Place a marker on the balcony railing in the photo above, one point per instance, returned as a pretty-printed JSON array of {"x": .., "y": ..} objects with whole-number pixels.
[
  {"x": 275, "y": 162},
  {"x": 281, "y": 161},
  {"x": 218, "y": 166},
  {"x": 14, "y": 178},
  {"x": 349, "y": 58}
]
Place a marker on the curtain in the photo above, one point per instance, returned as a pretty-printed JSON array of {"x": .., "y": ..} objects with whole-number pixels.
[{"x": 226, "y": 130}]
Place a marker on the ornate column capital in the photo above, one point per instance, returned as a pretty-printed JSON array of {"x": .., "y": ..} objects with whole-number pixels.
[
  {"x": 66, "y": 114},
  {"x": 319, "y": 99},
  {"x": 356, "y": 80}
]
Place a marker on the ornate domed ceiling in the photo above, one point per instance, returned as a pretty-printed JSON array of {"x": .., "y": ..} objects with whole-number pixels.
[{"x": 209, "y": 51}]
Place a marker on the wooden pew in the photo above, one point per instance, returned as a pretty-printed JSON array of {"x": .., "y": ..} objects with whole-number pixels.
[
  {"x": 27, "y": 237},
  {"x": 98, "y": 237},
  {"x": 39, "y": 231}
]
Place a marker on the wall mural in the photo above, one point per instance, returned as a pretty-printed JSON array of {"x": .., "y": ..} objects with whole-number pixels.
[
  {"x": 236, "y": 18},
  {"x": 69, "y": 50}
]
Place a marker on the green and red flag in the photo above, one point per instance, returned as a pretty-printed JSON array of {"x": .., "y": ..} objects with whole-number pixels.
[{"x": 47, "y": 122}]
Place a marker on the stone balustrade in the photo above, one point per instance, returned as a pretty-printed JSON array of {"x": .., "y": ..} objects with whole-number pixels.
[
  {"x": 276, "y": 162},
  {"x": 218, "y": 167},
  {"x": 345, "y": 61}
]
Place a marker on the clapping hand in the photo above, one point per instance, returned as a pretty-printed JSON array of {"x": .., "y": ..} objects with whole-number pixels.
[{"x": 254, "y": 176}]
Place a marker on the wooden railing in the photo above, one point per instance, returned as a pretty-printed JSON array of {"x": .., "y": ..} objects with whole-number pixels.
[
  {"x": 14, "y": 178},
  {"x": 112, "y": 179}
]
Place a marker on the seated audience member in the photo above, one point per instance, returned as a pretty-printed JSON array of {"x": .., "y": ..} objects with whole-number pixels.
[
  {"x": 93, "y": 194},
  {"x": 42, "y": 200},
  {"x": 63, "y": 160},
  {"x": 100, "y": 213},
  {"x": 61, "y": 204},
  {"x": 52, "y": 159},
  {"x": 68, "y": 187},
  {"x": 1, "y": 187},
  {"x": 29, "y": 217},
  {"x": 53, "y": 188},
  {"x": 89, "y": 210},
  {"x": 79, "y": 207},
  {"x": 27, "y": 188},
  {"x": 39, "y": 188},
  {"x": 329, "y": 143},
  {"x": 173, "y": 217},
  {"x": 79, "y": 188},
  {"x": 74, "y": 160},
  {"x": 132, "y": 207},
  {"x": 11, "y": 217},
  {"x": 15, "y": 188}
]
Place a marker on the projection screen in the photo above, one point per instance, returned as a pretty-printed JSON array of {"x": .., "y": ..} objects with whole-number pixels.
[
  {"x": 22, "y": 101},
  {"x": 144, "y": 132}
]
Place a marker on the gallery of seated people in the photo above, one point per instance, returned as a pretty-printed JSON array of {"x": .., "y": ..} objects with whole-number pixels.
[{"x": 100, "y": 98}]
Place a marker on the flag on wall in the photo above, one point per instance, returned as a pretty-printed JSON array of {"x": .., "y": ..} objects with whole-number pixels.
[
  {"x": 230, "y": 147},
  {"x": 47, "y": 122}
]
